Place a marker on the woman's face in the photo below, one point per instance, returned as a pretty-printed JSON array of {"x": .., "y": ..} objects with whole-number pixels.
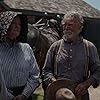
[{"x": 14, "y": 29}]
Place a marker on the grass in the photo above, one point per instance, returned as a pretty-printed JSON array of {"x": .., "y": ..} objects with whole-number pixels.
[{"x": 38, "y": 93}]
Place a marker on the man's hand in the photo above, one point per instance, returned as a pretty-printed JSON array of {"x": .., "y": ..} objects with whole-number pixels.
[
  {"x": 20, "y": 97},
  {"x": 82, "y": 88},
  {"x": 53, "y": 79}
]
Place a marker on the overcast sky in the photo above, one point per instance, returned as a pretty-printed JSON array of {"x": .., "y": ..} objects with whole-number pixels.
[{"x": 94, "y": 3}]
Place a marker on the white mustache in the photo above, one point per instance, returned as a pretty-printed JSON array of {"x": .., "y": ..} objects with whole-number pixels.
[{"x": 67, "y": 32}]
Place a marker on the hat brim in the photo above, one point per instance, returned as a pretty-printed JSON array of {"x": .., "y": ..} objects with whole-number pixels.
[{"x": 60, "y": 83}]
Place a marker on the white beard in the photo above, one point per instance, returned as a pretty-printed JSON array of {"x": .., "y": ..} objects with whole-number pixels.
[{"x": 65, "y": 37}]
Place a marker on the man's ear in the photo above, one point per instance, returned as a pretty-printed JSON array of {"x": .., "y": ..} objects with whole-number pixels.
[{"x": 81, "y": 27}]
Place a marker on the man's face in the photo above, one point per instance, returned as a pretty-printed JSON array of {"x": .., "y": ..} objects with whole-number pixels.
[
  {"x": 14, "y": 29},
  {"x": 71, "y": 28}
]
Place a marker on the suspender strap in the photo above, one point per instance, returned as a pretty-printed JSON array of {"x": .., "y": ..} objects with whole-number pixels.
[
  {"x": 57, "y": 51},
  {"x": 86, "y": 47}
]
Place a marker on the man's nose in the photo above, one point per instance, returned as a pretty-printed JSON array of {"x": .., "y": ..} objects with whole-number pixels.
[{"x": 66, "y": 27}]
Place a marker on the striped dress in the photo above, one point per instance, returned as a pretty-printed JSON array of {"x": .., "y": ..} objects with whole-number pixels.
[{"x": 19, "y": 66}]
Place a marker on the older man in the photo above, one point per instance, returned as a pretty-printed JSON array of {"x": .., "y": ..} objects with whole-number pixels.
[{"x": 73, "y": 58}]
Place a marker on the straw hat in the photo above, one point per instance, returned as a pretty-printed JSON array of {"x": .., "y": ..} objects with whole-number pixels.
[{"x": 56, "y": 85}]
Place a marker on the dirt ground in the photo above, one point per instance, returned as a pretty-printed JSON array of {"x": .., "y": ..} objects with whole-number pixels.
[{"x": 94, "y": 93}]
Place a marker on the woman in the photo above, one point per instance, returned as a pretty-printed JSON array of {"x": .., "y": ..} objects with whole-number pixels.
[{"x": 18, "y": 64}]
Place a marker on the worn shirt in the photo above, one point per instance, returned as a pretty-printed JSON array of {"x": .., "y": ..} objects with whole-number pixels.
[
  {"x": 71, "y": 61},
  {"x": 19, "y": 66}
]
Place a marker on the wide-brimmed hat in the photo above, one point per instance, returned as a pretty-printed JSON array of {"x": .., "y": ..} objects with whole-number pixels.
[
  {"x": 64, "y": 94},
  {"x": 56, "y": 85}
]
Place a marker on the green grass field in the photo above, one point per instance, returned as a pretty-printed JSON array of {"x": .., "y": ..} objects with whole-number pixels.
[{"x": 38, "y": 94}]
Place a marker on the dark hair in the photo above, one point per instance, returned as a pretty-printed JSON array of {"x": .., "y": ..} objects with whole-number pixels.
[{"x": 24, "y": 28}]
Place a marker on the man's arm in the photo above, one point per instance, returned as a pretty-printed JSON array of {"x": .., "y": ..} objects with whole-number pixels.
[{"x": 48, "y": 69}]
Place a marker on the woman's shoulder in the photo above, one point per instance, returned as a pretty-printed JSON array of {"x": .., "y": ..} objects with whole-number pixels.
[{"x": 24, "y": 45}]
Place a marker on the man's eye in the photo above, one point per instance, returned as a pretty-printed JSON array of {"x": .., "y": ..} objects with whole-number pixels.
[{"x": 63, "y": 24}]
